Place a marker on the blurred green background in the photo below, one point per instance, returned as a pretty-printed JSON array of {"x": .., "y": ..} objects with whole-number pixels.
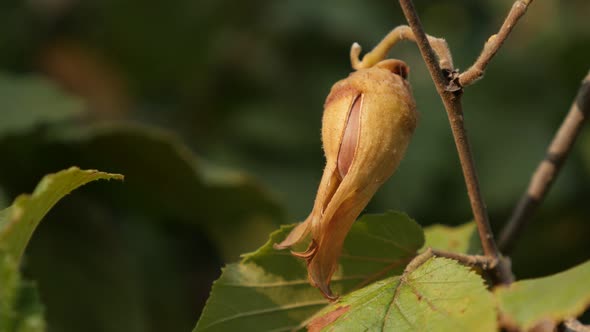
[{"x": 212, "y": 109}]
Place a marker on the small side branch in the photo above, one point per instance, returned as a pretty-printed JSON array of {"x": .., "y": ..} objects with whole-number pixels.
[
  {"x": 454, "y": 108},
  {"x": 493, "y": 44},
  {"x": 574, "y": 325},
  {"x": 548, "y": 169},
  {"x": 418, "y": 261},
  {"x": 484, "y": 262}
]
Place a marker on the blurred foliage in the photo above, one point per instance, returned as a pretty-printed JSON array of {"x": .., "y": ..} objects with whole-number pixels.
[
  {"x": 47, "y": 105},
  {"x": 242, "y": 85},
  {"x": 140, "y": 256},
  {"x": 460, "y": 239}
]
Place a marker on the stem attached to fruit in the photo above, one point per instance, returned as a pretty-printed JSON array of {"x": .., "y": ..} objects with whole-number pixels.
[{"x": 402, "y": 32}]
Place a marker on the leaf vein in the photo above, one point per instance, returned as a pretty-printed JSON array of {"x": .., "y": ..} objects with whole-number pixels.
[{"x": 266, "y": 311}]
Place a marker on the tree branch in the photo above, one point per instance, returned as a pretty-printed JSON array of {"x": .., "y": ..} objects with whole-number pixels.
[
  {"x": 453, "y": 106},
  {"x": 548, "y": 169},
  {"x": 494, "y": 43}
]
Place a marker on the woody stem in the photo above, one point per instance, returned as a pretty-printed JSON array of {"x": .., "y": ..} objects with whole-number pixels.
[{"x": 454, "y": 108}]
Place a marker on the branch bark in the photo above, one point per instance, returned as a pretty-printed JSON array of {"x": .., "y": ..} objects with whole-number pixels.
[
  {"x": 549, "y": 168},
  {"x": 454, "y": 108},
  {"x": 494, "y": 43},
  {"x": 574, "y": 325},
  {"x": 485, "y": 262}
]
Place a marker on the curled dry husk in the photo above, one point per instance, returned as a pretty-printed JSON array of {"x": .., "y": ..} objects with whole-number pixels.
[{"x": 368, "y": 120}]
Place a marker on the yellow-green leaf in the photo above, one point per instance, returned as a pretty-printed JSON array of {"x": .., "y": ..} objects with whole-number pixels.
[
  {"x": 460, "y": 239},
  {"x": 439, "y": 295},
  {"x": 555, "y": 298}
]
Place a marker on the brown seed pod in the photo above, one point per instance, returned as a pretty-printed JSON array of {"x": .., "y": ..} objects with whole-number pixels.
[{"x": 369, "y": 118}]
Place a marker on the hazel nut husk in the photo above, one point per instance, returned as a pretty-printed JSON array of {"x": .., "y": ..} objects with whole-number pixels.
[{"x": 369, "y": 118}]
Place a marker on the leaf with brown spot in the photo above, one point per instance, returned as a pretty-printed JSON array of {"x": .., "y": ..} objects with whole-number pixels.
[{"x": 318, "y": 323}]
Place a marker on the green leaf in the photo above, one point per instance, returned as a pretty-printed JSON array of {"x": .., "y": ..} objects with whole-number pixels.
[
  {"x": 18, "y": 221},
  {"x": 28, "y": 101},
  {"x": 528, "y": 302},
  {"x": 439, "y": 295},
  {"x": 459, "y": 239},
  {"x": 268, "y": 290},
  {"x": 20, "y": 308}
]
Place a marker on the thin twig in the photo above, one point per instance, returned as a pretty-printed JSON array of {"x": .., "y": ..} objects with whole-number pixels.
[
  {"x": 453, "y": 106},
  {"x": 402, "y": 32},
  {"x": 493, "y": 44},
  {"x": 548, "y": 169},
  {"x": 574, "y": 325},
  {"x": 485, "y": 262},
  {"x": 418, "y": 261}
]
